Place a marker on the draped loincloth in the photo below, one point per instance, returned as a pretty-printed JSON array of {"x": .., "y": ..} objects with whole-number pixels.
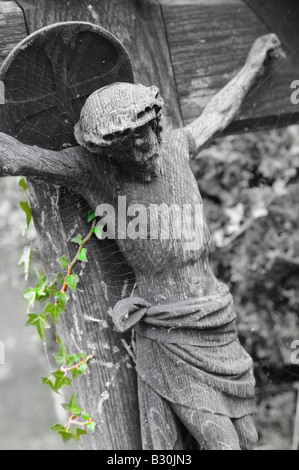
[{"x": 189, "y": 353}]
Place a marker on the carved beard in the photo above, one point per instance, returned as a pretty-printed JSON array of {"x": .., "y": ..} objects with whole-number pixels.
[
  {"x": 142, "y": 167},
  {"x": 140, "y": 164}
]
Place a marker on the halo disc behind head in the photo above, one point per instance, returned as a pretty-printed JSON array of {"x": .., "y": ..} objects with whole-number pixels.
[{"x": 49, "y": 76}]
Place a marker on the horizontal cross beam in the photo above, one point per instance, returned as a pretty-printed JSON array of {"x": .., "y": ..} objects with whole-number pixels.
[{"x": 208, "y": 41}]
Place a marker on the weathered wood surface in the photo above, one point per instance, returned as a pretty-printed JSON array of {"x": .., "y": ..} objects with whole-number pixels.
[
  {"x": 209, "y": 42},
  {"x": 223, "y": 108},
  {"x": 166, "y": 270},
  {"x": 50, "y": 77},
  {"x": 134, "y": 24},
  {"x": 281, "y": 16},
  {"x": 12, "y": 27},
  {"x": 60, "y": 214},
  {"x": 137, "y": 24},
  {"x": 109, "y": 392},
  {"x": 203, "y": 61}
]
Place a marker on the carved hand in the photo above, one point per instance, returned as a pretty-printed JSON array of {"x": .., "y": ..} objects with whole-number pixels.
[
  {"x": 264, "y": 48},
  {"x": 224, "y": 106},
  {"x": 127, "y": 312}
]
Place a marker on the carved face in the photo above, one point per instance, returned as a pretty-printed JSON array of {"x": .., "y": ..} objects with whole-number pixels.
[
  {"x": 122, "y": 121},
  {"x": 138, "y": 154}
]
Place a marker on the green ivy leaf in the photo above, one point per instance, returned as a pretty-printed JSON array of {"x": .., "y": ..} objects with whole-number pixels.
[
  {"x": 62, "y": 354},
  {"x": 40, "y": 292},
  {"x": 64, "y": 262},
  {"x": 39, "y": 322},
  {"x": 80, "y": 370},
  {"x": 91, "y": 426},
  {"x": 80, "y": 432},
  {"x": 76, "y": 373},
  {"x": 98, "y": 231},
  {"x": 30, "y": 297},
  {"x": 55, "y": 310},
  {"x": 61, "y": 381},
  {"x": 62, "y": 298},
  {"x": 62, "y": 357},
  {"x": 83, "y": 368},
  {"x": 40, "y": 287},
  {"x": 51, "y": 290},
  {"x": 40, "y": 277},
  {"x": 82, "y": 256},
  {"x": 72, "y": 406},
  {"x": 25, "y": 260},
  {"x": 78, "y": 239},
  {"x": 91, "y": 216},
  {"x": 22, "y": 184},
  {"x": 59, "y": 278},
  {"x": 58, "y": 427},
  {"x": 72, "y": 281},
  {"x": 47, "y": 381},
  {"x": 26, "y": 208},
  {"x": 66, "y": 435},
  {"x": 72, "y": 359}
]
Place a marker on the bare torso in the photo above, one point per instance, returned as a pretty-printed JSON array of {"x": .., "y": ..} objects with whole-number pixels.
[{"x": 164, "y": 266}]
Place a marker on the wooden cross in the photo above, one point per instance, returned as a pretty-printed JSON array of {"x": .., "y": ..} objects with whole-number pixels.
[{"x": 172, "y": 44}]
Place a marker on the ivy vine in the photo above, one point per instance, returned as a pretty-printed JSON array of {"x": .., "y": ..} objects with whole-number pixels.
[{"x": 49, "y": 297}]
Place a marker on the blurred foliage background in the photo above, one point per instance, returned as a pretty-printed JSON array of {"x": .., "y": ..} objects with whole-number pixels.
[{"x": 250, "y": 187}]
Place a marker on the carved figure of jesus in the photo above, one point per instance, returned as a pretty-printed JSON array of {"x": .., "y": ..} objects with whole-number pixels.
[{"x": 191, "y": 366}]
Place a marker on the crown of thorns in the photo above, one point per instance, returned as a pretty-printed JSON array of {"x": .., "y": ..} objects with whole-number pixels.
[{"x": 115, "y": 111}]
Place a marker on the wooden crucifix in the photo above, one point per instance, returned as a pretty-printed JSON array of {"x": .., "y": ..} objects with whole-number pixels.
[{"x": 192, "y": 372}]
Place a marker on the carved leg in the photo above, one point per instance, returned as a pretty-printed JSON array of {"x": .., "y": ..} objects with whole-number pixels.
[
  {"x": 160, "y": 427},
  {"x": 246, "y": 431},
  {"x": 218, "y": 432}
]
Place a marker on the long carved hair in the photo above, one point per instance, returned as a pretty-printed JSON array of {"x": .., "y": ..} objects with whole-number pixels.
[{"x": 116, "y": 111}]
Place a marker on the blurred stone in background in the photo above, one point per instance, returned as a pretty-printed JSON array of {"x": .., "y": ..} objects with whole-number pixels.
[{"x": 27, "y": 408}]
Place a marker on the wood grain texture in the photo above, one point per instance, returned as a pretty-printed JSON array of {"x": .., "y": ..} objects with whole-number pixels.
[
  {"x": 282, "y": 17},
  {"x": 12, "y": 27},
  {"x": 109, "y": 393},
  {"x": 138, "y": 25},
  {"x": 198, "y": 2},
  {"x": 209, "y": 44},
  {"x": 58, "y": 214},
  {"x": 170, "y": 274},
  {"x": 49, "y": 77},
  {"x": 223, "y": 108}
]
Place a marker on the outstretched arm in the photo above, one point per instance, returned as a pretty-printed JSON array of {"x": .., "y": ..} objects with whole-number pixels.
[
  {"x": 17, "y": 159},
  {"x": 74, "y": 168},
  {"x": 223, "y": 107}
]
